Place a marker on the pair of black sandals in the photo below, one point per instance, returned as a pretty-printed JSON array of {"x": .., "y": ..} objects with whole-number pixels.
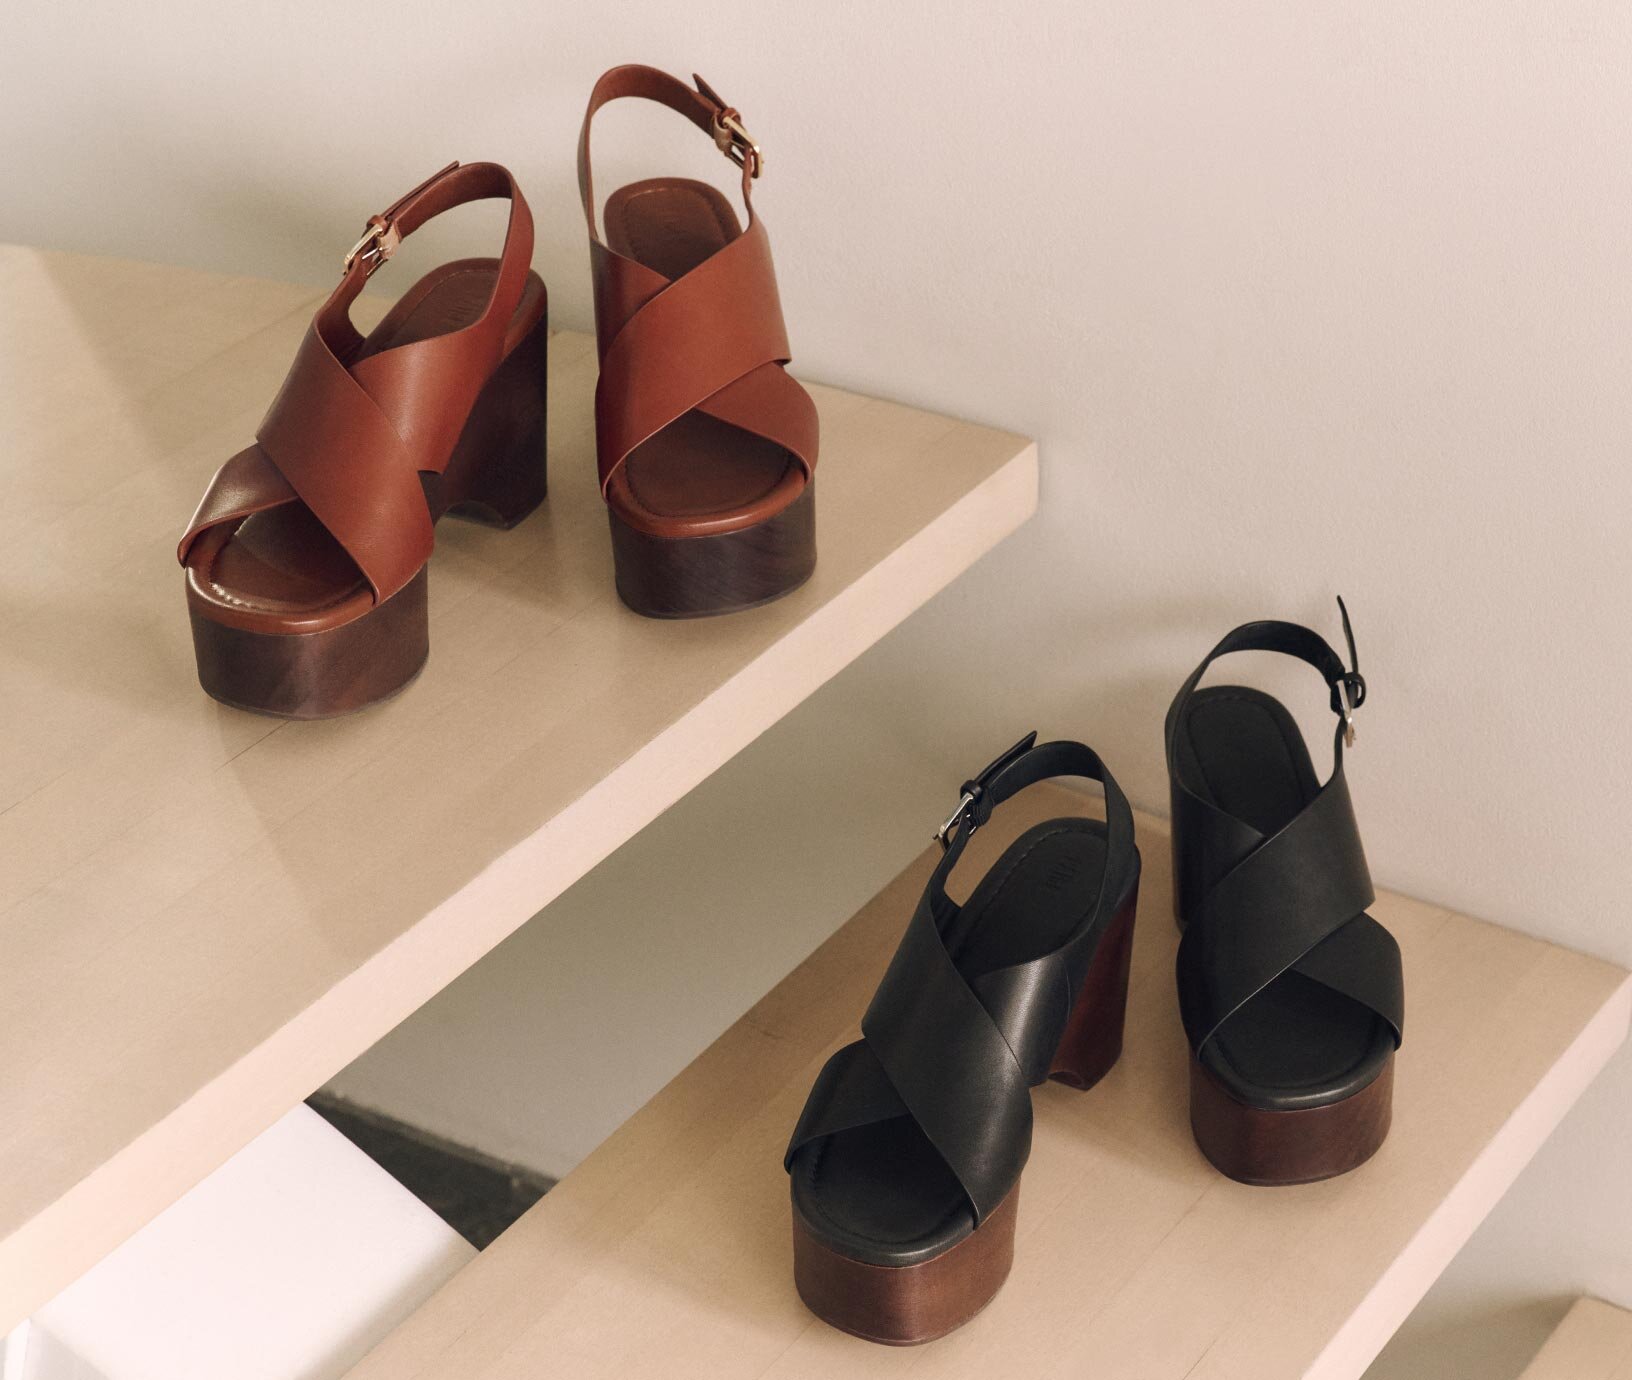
[{"x": 905, "y": 1164}]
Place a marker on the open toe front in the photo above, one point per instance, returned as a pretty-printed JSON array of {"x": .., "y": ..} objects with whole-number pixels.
[
  {"x": 305, "y": 561},
  {"x": 905, "y": 1166}
]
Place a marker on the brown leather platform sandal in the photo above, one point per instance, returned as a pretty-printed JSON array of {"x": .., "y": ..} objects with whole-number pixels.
[
  {"x": 305, "y": 562},
  {"x": 905, "y": 1165},
  {"x": 1293, "y": 998},
  {"x": 706, "y": 445}
]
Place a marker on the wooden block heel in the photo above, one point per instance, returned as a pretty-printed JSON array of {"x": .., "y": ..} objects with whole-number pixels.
[
  {"x": 499, "y": 471},
  {"x": 692, "y": 577},
  {"x": 1269, "y": 1148},
  {"x": 905, "y": 1166},
  {"x": 306, "y": 560},
  {"x": 1092, "y": 1042}
]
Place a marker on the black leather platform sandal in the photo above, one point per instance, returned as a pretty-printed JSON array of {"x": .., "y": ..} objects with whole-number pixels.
[
  {"x": 906, "y": 1161},
  {"x": 1292, "y": 996}
]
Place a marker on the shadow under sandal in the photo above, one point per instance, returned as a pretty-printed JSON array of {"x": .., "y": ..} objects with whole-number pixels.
[
  {"x": 1292, "y": 996},
  {"x": 706, "y": 445},
  {"x": 906, "y": 1161},
  {"x": 305, "y": 562}
]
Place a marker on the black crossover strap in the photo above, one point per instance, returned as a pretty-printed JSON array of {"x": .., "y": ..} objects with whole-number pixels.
[
  {"x": 1255, "y": 907},
  {"x": 960, "y": 1056}
]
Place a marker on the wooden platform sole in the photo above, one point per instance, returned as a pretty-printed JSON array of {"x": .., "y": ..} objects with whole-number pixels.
[
  {"x": 695, "y": 577},
  {"x": 906, "y": 1305},
  {"x": 1269, "y": 1148},
  {"x": 317, "y": 675},
  {"x": 497, "y": 475}
]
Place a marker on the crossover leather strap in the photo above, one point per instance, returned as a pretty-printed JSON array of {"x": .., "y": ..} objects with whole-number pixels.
[
  {"x": 959, "y": 1056},
  {"x": 349, "y": 434},
  {"x": 1256, "y": 907},
  {"x": 712, "y": 340}
]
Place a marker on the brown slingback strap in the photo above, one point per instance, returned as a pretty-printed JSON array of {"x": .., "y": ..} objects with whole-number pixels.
[
  {"x": 712, "y": 340},
  {"x": 349, "y": 436},
  {"x": 700, "y": 105}
]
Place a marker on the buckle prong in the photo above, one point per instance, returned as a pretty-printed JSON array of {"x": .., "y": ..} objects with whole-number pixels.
[
  {"x": 1347, "y": 705},
  {"x": 943, "y": 834},
  {"x": 377, "y": 244}
]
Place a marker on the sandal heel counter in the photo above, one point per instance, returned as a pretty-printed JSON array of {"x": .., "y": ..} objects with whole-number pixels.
[
  {"x": 498, "y": 472},
  {"x": 1092, "y": 1042}
]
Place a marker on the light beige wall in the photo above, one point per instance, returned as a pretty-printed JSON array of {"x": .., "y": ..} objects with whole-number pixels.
[{"x": 1299, "y": 298}]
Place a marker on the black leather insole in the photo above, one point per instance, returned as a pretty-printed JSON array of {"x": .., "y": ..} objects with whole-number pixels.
[
  {"x": 881, "y": 1193},
  {"x": 1297, "y": 1044}
]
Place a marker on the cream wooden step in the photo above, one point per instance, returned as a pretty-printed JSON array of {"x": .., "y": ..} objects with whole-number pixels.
[
  {"x": 667, "y": 1252},
  {"x": 1594, "y": 1342},
  {"x": 205, "y": 914}
]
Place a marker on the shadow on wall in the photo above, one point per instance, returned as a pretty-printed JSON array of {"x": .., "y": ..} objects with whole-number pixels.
[{"x": 1494, "y": 1341}]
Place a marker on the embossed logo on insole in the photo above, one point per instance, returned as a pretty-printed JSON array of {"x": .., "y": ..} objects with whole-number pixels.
[{"x": 1061, "y": 873}]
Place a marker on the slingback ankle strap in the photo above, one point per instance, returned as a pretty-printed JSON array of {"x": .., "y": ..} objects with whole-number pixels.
[
  {"x": 1347, "y": 685},
  {"x": 1026, "y": 764},
  {"x": 349, "y": 437},
  {"x": 455, "y": 185},
  {"x": 959, "y": 1056},
  {"x": 1254, "y": 907},
  {"x": 699, "y": 104}
]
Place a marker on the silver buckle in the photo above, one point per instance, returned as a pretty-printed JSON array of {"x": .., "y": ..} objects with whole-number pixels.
[
  {"x": 1348, "y": 708},
  {"x": 943, "y": 834}
]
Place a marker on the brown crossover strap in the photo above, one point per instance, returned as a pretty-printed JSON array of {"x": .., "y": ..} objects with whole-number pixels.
[
  {"x": 349, "y": 436},
  {"x": 712, "y": 340}
]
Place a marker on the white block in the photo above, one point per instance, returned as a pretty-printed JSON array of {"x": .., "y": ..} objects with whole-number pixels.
[{"x": 288, "y": 1263}]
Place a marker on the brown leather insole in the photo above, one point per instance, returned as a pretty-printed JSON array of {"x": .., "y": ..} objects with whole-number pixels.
[
  {"x": 712, "y": 475},
  {"x": 282, "y": 565}
]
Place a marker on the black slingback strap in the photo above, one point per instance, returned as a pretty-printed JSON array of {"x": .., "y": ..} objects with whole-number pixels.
[
  {"x": 958, "y": 1057},
  {"x": 1255, "y": 907}
]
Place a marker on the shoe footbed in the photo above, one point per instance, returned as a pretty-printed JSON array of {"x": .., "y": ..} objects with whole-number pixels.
[
  {"x": 699, "y": 470},
  {"x": 1298, "y": 1043},
  {"x": 283, "y": 563},
  {"x": 882, "y": 1193}
]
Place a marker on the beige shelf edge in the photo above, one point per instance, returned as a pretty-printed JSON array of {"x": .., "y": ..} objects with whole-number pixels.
[
  {"x": 1594, "y": 1342},
  {"x": 206, "y": 914},
  {"x": 667, "y": 1251}
]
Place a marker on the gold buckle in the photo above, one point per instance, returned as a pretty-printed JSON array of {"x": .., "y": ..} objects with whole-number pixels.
[
  {"x": 378, "y": 243},
  {"x": 736, "y": 143}
]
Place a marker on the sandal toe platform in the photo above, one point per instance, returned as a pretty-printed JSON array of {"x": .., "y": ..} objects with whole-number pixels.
[
  {"x": 906, "y": 1161},
  {"x": 706, "y": 445},
  {"x": 306, "y": 559},
  {"x": 1292, "y": 996}
]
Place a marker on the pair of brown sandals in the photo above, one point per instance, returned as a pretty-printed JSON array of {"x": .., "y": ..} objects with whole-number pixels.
[{"x": 306, "y": 559}]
